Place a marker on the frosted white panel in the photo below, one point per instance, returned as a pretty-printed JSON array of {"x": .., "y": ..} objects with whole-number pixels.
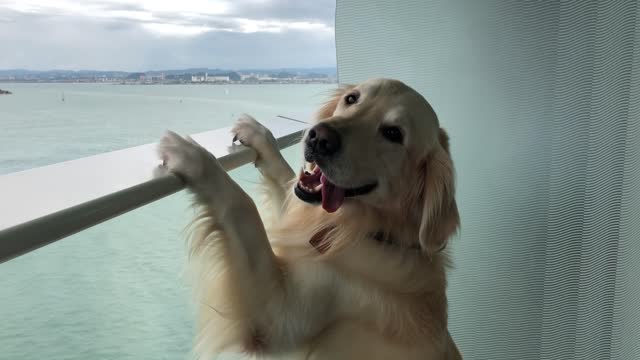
[{"x": 541, "y": 102}]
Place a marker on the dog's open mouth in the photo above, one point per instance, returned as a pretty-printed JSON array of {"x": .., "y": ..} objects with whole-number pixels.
[{"x": 314, "y": 187}]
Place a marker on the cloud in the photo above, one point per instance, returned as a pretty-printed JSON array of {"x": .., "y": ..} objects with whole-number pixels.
[
  {"x": 239, "y": 15},
  {"x": 176, "y": 30},
  {"x": 148, "y": 34},
  {"x": 110, "y": 8}
]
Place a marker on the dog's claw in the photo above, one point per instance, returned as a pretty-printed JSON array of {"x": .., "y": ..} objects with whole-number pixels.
[
  {"x": 249, "y": 132},
  {"x": 184, "y": 157}
]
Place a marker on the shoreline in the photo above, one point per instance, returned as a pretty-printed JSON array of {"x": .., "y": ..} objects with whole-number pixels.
[{"x": 174, "y": 83}]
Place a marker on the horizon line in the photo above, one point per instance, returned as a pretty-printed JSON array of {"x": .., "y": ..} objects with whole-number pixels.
[{"x": 178, "y": 69}]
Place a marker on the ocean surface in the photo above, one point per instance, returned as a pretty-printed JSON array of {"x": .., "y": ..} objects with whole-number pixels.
[{"x": 115, "y": 291}]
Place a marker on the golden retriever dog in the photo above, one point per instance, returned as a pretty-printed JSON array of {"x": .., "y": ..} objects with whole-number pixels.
[{"x": 351, "y": 262}]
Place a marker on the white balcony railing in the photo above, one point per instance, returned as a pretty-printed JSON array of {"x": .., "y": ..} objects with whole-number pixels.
[{"x": 42, "y": 205}]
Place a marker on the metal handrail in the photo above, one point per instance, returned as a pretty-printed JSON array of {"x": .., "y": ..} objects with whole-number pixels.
[{"x": 30, "y": 235}]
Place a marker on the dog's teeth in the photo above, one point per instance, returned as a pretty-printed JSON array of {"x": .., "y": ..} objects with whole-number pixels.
[
  {"x": 309, "y": 167},
  {"x": 310, "y": 189}
]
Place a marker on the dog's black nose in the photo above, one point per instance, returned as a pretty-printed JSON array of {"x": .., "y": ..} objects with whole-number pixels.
[{"x": 322, "y": 140}]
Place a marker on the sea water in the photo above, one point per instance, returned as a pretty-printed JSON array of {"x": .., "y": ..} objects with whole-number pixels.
[{"x": 115, "y": 291}]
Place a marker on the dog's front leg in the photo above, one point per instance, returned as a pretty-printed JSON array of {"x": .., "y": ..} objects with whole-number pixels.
[
  {"x": 276, "y": 172},
  {"x": 229, "y": 207},
  {"x": 250, "y": 305}
]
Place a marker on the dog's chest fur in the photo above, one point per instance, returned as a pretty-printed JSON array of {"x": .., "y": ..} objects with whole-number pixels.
[{"x": 374, "y": 322}]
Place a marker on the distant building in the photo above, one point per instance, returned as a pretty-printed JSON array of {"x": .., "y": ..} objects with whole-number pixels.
[
  {"x": 198, "y": 78},
  {"x": 136, "y": 76},
  {"x": 250, "y": 79},
  {"x": 216, "y": 78}
]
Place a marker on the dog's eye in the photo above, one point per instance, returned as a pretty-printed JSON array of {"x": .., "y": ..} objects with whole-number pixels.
[
  {"x": 351, "y": 98},
  {"x": 392, "y": 133}
]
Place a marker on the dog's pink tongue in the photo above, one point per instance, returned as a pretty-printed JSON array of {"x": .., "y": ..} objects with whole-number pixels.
[{"x": 332, "y": 196}]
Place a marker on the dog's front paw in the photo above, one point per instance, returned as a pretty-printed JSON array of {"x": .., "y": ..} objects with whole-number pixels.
[
  {"x": 254, "y": 135},
  {"x": 269, "y": 160},
  {"x": 185, "y": 157}
]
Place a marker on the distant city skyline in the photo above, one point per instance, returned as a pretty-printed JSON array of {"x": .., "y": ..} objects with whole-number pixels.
[
  {"x": 177, "y": 76},
  {"x": 322, "y": 69},
  {"x": 149, "y": 35}
]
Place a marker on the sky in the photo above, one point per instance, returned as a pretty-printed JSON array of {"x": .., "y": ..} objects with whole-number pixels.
[{"x": 144, "y": 35}]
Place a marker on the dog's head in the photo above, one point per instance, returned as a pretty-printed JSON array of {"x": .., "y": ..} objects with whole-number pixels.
[{"x": 379, "y": 143}]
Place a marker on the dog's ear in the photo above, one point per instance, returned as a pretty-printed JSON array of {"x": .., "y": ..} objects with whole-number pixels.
[
  {"x": 440, "y": 219},
  {"x": 326, "y": 111}
]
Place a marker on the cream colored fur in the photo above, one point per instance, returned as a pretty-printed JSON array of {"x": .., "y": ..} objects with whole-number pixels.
[{"x": 265, "y": 292}]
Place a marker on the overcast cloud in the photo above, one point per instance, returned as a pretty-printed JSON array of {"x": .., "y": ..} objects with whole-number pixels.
[{"x": 166, "y": 34}]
